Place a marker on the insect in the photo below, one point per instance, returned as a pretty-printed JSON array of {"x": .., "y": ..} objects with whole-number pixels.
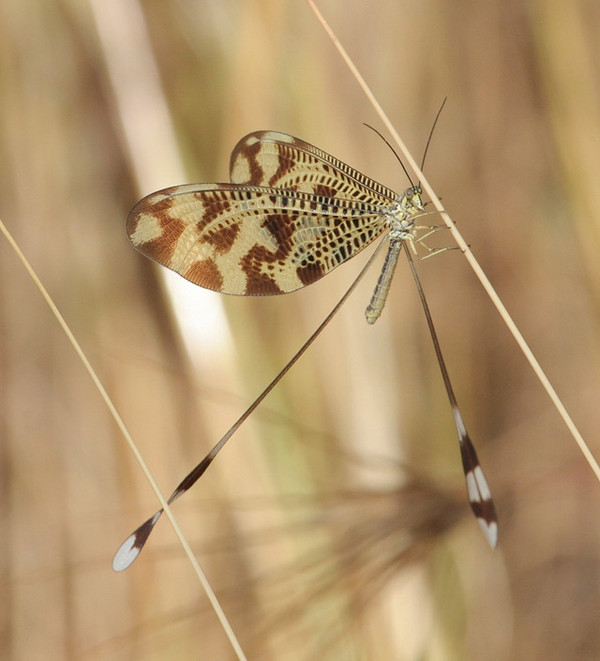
[{"x": 290, "y": 216}]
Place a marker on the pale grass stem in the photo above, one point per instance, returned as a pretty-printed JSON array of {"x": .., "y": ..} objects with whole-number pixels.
[
  {"x": 464, "y": 247},
  {"x": 128, "y": 438}
]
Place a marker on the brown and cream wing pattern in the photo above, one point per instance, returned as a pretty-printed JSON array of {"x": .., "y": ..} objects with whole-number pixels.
[
  {"x": 270, "y": 158},
  {"x": 292, "y": 214},
  {"x": 250, "y": 240}
]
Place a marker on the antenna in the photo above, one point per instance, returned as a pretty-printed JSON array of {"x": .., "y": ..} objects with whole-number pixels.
[
  {"x": 392, "y": 150},
  {"x": 435, "y": 121}
]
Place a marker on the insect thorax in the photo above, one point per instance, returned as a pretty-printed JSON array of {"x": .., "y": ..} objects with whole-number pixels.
[{"x": 400, "y": 216}]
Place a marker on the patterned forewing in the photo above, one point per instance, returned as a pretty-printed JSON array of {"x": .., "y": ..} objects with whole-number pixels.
[
  {"x": 278, "y": 160},
  {"x": 250, "y": 240}
]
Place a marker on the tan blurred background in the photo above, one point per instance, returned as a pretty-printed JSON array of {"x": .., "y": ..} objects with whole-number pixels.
[{"x": 335, "y": 525}]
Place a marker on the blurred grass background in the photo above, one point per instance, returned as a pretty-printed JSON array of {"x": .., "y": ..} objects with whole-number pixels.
[{"x": 335, "y": 526}]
